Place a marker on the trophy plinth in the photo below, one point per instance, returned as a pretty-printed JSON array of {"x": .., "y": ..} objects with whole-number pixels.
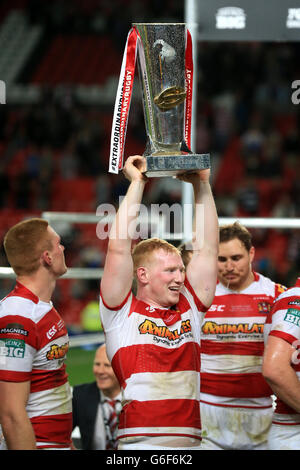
[{"x": 173, "y": 165}]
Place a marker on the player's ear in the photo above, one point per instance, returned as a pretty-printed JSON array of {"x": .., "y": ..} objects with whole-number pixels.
[
  {"x": 142, "y": 275},
  {"x": 46, "y": 258}
]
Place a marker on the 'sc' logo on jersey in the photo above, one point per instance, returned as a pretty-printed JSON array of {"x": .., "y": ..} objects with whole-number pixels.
[{"x": 216, "y": 308}]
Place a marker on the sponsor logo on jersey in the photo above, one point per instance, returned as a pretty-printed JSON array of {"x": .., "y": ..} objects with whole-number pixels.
[
  {"x": 150, "y": 309},
  {"x": 294, "y": 302},
  {"x": 149, "y": 327},
  {"x": 213, "y": 328},
  {"x": 12, "y": 348},
  {"x": 57, "y": 352},
  {"x": 293, "y": 316},
  {"x": 60, "y": 324},
  {"x": 14, "y": 328},
  {"x": 54, "y": 329},
  {"x": 216, "y": 308},
  {"x": 50, "y": 333}
]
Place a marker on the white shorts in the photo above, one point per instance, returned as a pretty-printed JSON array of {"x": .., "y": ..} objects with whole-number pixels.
[
  {"x": 159, "y": 443},
  {"x": 149, "y": 447},
  {"x": 284, "y": 437},
  {"x": 226, "y": 428}
]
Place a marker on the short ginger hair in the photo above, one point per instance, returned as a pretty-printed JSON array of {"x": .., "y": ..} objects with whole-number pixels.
[
  {"x": 186, "y": 253},
  {"x": 24, "y": 244},
  {"x": 145, "y": 248}
]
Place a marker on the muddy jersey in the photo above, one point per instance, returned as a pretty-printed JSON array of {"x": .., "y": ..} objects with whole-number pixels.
[
  {"x": 232, "y": 345},
  {"x": 155, "y": 354},
  {"x": 284, "y": 322},
  {"x": 33, "y": 346}
]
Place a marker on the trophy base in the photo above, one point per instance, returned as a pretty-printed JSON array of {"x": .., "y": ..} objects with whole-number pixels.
[{"x": 173, "y": 165}]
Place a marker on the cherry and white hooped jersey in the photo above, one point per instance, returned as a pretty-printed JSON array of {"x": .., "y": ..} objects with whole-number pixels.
[
  {"x": 284, "y": 322},
  {"x": 33, "y": 346},
  {"x": 232, "y": 345},
  {"x": 157, "y": 364}
]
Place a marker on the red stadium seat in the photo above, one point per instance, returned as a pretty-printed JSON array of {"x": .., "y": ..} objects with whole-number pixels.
[
  {"x": 73, "y": 195},
  {"x": 76, "y": 59}
]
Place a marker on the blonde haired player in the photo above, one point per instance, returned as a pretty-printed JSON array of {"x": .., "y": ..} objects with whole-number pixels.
[
  {"x": 153, "y": 338},
  {"x": 35, "y": 396}
]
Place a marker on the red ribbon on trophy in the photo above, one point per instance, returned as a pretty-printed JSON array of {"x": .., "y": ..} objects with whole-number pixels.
[
  {"x": 189, "y": 75},
  {"x": 122, "y": 104},
  {"x": 124, "y": 94}
]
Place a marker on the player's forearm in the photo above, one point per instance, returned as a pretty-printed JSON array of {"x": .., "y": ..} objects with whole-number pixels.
[
  {"x": 126, "y": 217},
  {"x": 205, "y": 223},
  {"x": 286, "y": 386},
  {"x": 18, "y": 432},
  {"x": 278, "y": 371}
]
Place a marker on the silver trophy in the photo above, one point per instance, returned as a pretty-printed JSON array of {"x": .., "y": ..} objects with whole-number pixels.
[{"x": 162, "y": 73}]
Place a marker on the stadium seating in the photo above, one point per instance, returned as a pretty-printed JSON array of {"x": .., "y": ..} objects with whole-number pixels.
[
  {"x": 73, "y": 195},
  {"x": 77, "y": 59}
]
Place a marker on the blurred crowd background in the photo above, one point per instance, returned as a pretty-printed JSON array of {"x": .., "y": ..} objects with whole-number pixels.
[{"x": 61, "y": 61}]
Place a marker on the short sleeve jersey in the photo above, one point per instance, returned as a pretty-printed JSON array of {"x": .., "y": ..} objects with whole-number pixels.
[
  {"x": 284, "y": 322},
  {"x": 33, "y": 346},
  {"x": 157, "y": 361},
  {"x": 232, "y": 345}
]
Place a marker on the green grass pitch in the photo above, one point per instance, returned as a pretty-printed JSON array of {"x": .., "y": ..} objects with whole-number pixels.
[{"x": 79, "y": 365}]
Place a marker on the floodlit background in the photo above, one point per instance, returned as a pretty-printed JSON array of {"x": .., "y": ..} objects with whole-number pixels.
[{"x": 60, "y": 61}]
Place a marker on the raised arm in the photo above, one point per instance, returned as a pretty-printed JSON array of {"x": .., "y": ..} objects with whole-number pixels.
[
  {"x": 202, "y": 269},
  {"x": 118, "y": 270}
]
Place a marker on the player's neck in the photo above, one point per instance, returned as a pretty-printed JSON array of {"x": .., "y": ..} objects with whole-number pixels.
[
  {"x": 39, "y": 286},
  {"x": 144, "y": 296}
]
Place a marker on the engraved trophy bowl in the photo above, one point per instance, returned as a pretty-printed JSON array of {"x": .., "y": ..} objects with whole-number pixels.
[{"x": 162, "y": 72}]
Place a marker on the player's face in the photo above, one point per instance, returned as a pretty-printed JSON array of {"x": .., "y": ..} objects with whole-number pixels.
[
  {"x": 234, "y": 265},
  {"x": 104, "y": 374},
  {"x": 166, "y": 276},
  {"x": 58, "y": 265}
]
